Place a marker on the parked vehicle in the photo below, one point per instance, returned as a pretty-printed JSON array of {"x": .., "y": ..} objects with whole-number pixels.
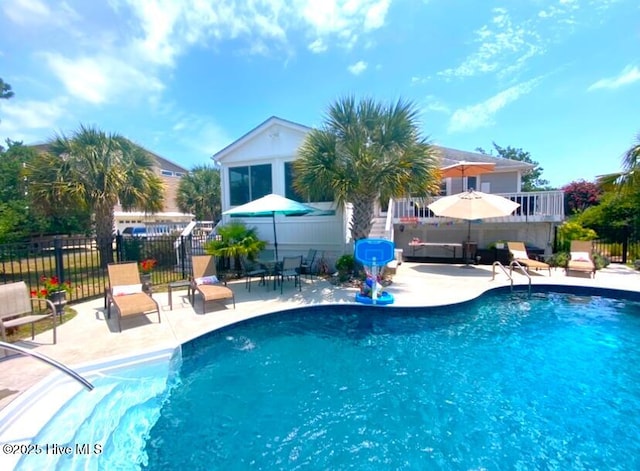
[{"x": 134, "y": 232}]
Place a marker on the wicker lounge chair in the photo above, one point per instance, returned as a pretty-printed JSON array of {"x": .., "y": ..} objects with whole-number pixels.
[
  {"x": 581, "y": 259},
  {"x": 16, "y": 309},
  {"x": 519, "y": 256},
  {"x": 126, "y": 294},
  {"x": 204, "y": 281}
]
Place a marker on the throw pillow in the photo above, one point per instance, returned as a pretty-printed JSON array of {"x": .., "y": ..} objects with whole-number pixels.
[
  {"x": 123, "y": 290},
  {"x": 580, "y": 257},
  {"x": 519, "y": 254},
  {"x": 207, "y": 280}
]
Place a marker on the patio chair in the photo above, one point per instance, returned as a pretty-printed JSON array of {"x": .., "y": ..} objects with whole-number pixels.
[
  {"x": 126, "y": 293},
  {"x": 581, "y": 259},
  {"x": 204, "y": 281},
  {"x": 16, "y": 309},
  {"x": 291, "y": 268},
  {"x": 267, "y": 255},
  {"x": 252, "y": 270},
  {"x": 519, "y": 256},
  {"x": 307, "y": 263}
]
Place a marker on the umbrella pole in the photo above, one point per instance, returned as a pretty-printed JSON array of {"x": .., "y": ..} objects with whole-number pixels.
[
  {"x": 275, "y": 236},
  {"x": 467, "y": 249}
]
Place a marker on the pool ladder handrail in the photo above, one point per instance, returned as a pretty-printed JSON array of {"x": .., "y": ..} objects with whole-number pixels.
[
  {"x": 49, "y": 361},
  {"x": 510, "y": 273}
]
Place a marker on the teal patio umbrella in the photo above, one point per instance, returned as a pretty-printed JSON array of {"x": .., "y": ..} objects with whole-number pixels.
[{"x": 270, "y": 205}]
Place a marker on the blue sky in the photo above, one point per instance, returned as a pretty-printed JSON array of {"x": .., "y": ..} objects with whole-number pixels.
[{"x": 557, "y": 78}]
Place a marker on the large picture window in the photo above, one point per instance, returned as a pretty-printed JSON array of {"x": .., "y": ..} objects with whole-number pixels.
[
  {"x": 249, "y": 183},
  {"x": 291, "y": 193}
]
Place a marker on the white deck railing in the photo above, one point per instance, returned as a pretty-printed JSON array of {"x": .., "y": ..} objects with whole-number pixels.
[{"x": 536, "y": 206}]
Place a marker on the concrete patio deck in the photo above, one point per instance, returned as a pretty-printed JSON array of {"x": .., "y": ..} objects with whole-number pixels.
[{"x": 90, "y": 336}]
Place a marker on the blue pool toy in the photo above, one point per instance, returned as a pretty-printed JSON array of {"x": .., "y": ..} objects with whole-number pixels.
[{"x": 373, "y": 254}]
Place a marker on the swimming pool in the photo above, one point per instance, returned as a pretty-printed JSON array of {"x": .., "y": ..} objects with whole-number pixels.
[{"x": 506, "y": 381}]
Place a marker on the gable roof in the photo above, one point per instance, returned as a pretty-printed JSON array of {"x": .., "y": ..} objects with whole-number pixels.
[
  {"x": 453, "y": 156},
  {"x": 160, "y": 162},
  {"x": 448, "y": 155},
  {"x": 271, "y": 121}
]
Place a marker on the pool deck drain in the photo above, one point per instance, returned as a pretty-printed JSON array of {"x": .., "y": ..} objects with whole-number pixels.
[{"x": 91, "y": 337}]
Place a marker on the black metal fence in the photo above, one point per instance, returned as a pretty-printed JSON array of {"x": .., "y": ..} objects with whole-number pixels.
[
  {"x": 625, "y": 251},
  {"x": 83, "y": 261}
]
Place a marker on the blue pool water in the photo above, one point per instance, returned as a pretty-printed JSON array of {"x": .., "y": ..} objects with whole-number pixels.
[{"x": 508, "y": 381}]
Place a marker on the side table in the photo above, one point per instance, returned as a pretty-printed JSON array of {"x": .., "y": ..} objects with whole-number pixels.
[{"x": 176, "y": 285}]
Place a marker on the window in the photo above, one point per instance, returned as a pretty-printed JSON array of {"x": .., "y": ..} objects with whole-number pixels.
[
  {"x": 249, "y": 183},
  {"x": 167, "y": 173},
  {"x": 291, "y": 193},
  {"x": 443, "y": 188},
  {"x": 472, "y": 183}
]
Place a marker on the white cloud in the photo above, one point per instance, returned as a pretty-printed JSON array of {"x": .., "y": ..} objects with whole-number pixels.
[
  {"x": 433, "y": 104},
  {"x": 167, "y": 26},
  {"x": 318, "y": 46},
  {"x": 357, "y": 68},
  {"x": 26, "y": 120},
  {"x": 100, "y": 80},
  {"x": 36, "y": 13},
  {"x": 198, "y": 133},
  {"x": 627, "y": 76},
  {"x": 501, "y": 42},
  {"x": 24, "y": 12},
  {"x": 482, "y": 114}
]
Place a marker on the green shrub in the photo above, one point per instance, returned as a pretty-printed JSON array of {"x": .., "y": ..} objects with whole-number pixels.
[
  {"x": 346, "y": 266},
  {"x": 573, "y": 231},
  {"x": 600, "y": 261},
  {"x": 235, "y": 240},
  {"x": 559, "y": 259}
]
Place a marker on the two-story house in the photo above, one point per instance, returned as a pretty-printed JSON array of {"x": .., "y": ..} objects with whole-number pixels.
[
  {"x": 261, "y": 162},
  {"x": 170, "y": 219}
]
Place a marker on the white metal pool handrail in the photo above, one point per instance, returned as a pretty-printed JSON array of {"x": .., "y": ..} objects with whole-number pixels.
[
  {"x": 510, "y": 273},
  {"x": 523, "y": 269},
  {"x": 49, "y": 361}
]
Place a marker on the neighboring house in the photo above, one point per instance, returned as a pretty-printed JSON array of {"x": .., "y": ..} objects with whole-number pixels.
[
  {"x": 170, "y": 217},
  {"x": 260, "y": 162}
]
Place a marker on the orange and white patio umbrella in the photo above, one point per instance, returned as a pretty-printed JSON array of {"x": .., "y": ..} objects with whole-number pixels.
[{"x": 467, "y": 169}]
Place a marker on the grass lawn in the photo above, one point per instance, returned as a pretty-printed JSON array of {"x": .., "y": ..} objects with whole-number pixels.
[{"x": 24, "y": 331}]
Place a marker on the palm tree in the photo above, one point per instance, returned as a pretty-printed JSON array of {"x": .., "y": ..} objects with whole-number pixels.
[
  {"x": 5, "y": 90},
  {"x": 365, "y": 152},
  {"x": 631, "y": 165},
  {"x": 199, "y": 193},
  {"x": 94, "y": 170}
]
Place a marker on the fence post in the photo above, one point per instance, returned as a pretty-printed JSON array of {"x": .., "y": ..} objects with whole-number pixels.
[
  {"x": 119, "y": 248},
  {"x": 59, "y": 259},
  {"x": 183, "y": 256},
  {"x": 625, "y": 243}
]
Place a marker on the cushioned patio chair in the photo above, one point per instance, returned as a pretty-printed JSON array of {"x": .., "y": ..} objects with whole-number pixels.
[
  {"x": 519, "y": 256},
  {"x": 16, "y": 309},
  {"x": 126, "y": 293},
  {"x": 252, "y": 270},
  {"x": 205, "y": 282},
  {"x": 307, "y": 263},
  {"x": 581, "y": 258},
  {"x": 291, "y": 269}
]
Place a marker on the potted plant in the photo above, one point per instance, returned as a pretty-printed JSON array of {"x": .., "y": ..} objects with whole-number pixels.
[
  {"x": 146, "y": 266},
  {"x": 54, "y": 290},
  {"x": 235, "y": 240}
]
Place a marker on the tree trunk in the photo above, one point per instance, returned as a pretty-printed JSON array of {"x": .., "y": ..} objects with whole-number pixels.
[
  {"x": 104, "y": 232},
  {"x": 362, "y": 218}
]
